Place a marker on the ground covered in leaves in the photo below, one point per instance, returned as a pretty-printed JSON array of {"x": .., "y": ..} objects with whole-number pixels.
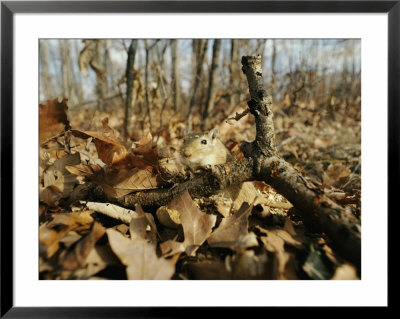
[{"x": 250, "y": 232}]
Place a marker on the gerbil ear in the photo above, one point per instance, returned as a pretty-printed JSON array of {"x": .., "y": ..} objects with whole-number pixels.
[{"x": 213, "y": 133}]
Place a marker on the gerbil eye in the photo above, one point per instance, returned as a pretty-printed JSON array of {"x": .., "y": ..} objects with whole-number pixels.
[{"x": 203, "y": 141}]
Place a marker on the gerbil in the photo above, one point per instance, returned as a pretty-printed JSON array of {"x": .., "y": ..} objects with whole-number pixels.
[{"x": 201, "y": 149}]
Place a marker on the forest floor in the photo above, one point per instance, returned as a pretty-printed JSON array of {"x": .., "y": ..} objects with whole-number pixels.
[{"x": 256, "y": 235}]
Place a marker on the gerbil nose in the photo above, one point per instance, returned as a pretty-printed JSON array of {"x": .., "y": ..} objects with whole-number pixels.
[{"x": 186, "y": 153}]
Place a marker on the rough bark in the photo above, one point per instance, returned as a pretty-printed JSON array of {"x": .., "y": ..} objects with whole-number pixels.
[
  {"x": 273, "y": 62},
  {"x": 130, "y": 75},
  {"x": 204, "y": 184},
  {"x": 211, "y": 82},
  {"x": 234, "y": 73},
  {"x": 175, "y": 75},
  {"x": 146, "y": 81}
]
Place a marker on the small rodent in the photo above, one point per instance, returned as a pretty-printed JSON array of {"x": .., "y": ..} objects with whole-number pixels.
[{"x": 201, "y": 149}]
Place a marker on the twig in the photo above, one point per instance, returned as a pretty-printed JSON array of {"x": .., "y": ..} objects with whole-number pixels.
[{"x": 238, "y": 116}]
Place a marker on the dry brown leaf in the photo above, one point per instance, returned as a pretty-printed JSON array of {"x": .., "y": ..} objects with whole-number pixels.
[
  {"x": 49, "y": 240},
  {"x": 243, "y": 193},
  {"x": 52, "y": 119},
  {"x": 58, "y": 168},
  {"x": 345, "y": 272},
  {"x": 274, "y": 242},
  {"x": 83, "y": 170},
  {"x": 322, "y": 142},
  {"x": 171, "y": 247},
  {"x": 143, "y": 227},
  {"x": 73, "y": 221},
  {"x": 288, "y": 226},
  {"x": 196, "y": 225},
  {"x": 109, "y": 149},
  {"x": 125, "y": 173},
  {"x": 248, "y": 265},
  {"x": 51, "y": 232},
  {"x": 140, "y": 258},
  {"x": 168, "y": 217},
  {"x": 135, "y": 180},
  {"x": 76, "y": 258},
  {"x": 336, "y": 173},
  {"x": 145, "y": 148},
  {"x": 69, "y": 239},
  {"x": 231, "y": 229}
]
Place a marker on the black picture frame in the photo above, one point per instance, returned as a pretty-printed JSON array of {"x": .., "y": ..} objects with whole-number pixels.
[{"x": 9, "y": 8}]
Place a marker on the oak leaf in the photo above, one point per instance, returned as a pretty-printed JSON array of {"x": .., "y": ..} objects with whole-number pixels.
[
  {"x": 140, "y": 258},
  {"x": 196, "y": 225},
  {"x": 232, "y": 231}
]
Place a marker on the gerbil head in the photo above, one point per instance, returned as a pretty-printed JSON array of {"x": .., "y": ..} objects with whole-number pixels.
[{"x": 198, "y": 146}]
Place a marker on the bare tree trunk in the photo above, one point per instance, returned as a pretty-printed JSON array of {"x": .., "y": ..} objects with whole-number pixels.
[
  {"x": 260, "y": 47},
  {"x": 211, "y": 83},
  {"x": 107, "y": 65},
  {"x": 101, "y": 87},
  {"x": 175, "y": 75},
  {"x": 234, "y": 73},
  {"x": 146, "y": 80},
  {"x": 195, "y": 57},
  {"x": 77, "y": 79},
  {"x": 130, "y": 75},
  {"x": 66, "y": 67},
  {"x": 47, "y": 88},
  {"x": 273, "y": 62},
  {"x": 203, "y": 46}
]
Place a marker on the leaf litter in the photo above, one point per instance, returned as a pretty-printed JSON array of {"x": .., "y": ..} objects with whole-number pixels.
[{"x": 249, "y": 234}]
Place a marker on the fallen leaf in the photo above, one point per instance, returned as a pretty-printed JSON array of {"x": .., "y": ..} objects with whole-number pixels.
[
  {"x": 168, "y": 217},
  {"x": 336, "y": 174},
  {"x": 83, "y": 170},
  {"x": 109, "y": 149},
  {"x": 171, "y": 247},
  {"x": 243, "y": 193},
  {"x": 248, "y": 265},
  {"x": 51, "y": 232},
  {"x": 274, "y": 242},
  {"x": 322, "y": 142},
  {"x": 143, "y": 227},
  {"x": 196, "y": 225},
  {"x": 52, "y": 119},
  {"x": 146, "y": 150},
  {"x": 345, "y": 272},
  {"x": 133, "y": 180},
  {"x": 231, "y": 229},
  {"x": 76, "y": 258},
  {"x": 125, "y": 173},
  {"x": 140, "y": 258}
]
